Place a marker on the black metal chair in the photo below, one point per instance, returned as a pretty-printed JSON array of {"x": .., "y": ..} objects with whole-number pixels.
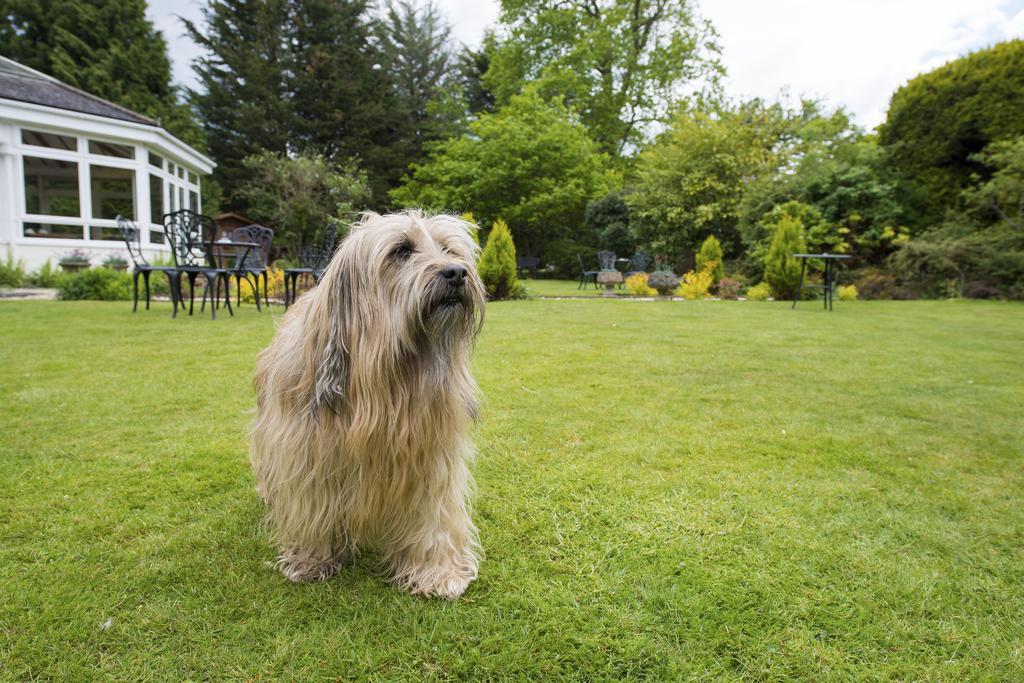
[
  {"x": 606, "y": 260},
  {"x": 132, "y": 237},
  {"x": 253, "y": 263},
  {"x": 313, "y": 260},
  {"x": 586, "y": 275},
  {"x": 190, "y": 235}
]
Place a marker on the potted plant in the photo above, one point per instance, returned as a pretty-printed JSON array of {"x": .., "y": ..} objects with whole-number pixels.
[
  {"x": 662, "y": 279},
  {"x": 116, "y": 262},
  {"x": 74, "y": 261}
]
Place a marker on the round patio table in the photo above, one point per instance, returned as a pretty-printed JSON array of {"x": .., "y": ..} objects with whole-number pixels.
[{"x": 831, "y": 260}]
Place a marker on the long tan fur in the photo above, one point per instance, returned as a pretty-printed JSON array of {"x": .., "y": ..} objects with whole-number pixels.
[{"x": 364, "y": 402}]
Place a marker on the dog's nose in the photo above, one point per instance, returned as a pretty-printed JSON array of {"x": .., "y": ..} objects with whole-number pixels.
[{"x": 454, "y": 275}]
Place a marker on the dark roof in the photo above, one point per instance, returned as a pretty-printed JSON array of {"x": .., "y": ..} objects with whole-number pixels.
[{"x": 20, "y": 83}]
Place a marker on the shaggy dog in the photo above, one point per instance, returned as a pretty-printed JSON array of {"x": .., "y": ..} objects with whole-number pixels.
[{"x": 364, "y": 400}]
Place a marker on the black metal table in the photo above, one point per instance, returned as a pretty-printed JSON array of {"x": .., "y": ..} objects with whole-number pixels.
[{"x": 830, "y": 275}]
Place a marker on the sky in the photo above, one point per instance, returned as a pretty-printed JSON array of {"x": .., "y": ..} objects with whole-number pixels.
[{"x": 851, "y": 53}]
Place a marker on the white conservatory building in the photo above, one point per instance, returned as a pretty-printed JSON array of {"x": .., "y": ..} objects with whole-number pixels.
[{"x": 70, "y": 162}]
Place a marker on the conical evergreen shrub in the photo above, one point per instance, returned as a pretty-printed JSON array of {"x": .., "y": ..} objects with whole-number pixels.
[
  {"x": 497, "y": 265},
  {"x": 781, "y": 268}
]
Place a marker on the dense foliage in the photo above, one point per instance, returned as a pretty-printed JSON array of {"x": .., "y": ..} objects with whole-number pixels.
[
  {"x": 99, "y": 284},
  {"x": 531, "y": 164},
  {"x": 939, "y": 121},
  {"x": 300, "y": 195},
  {"x": 781, "y": 268}
]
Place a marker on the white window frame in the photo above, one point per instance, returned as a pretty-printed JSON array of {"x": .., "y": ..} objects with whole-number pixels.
[{"x": 81, "y": 156}]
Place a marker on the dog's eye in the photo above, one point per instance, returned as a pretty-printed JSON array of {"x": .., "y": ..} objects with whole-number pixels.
[{"x": 402, "y": 251}]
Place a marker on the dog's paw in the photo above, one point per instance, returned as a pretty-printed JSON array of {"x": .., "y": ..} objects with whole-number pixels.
[
  {"x": 301, "y": 568},
  {"x": 449, "y": 587}
]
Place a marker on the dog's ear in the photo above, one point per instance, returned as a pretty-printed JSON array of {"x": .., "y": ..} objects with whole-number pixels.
[{"x": 331, "y": 380}]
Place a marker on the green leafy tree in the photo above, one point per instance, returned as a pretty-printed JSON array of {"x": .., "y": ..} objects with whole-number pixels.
[
  {"x": 940, "y": 120},
  {"x": 497, "y": 266},
  {"x": 105, "y": 47},
  {"x": 781, "y": 268},
  {"x": 297, "y": 196},
  {"x": 620, "y": 62},
  {"x": 531, "y": 164},
  {"x": 711, "y": 253},
  {"x": 690, "y": 183},
  {"x": 825, "y": 162}
]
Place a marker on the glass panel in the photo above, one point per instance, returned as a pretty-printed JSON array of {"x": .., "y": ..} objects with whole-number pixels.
[
  {"x": 97, "y": 232},
  {"x": 170, "y": 168},
  {"x": 155, "y": 160},
  {"x": 156, "y": 199},
  {"x": 63, "y": 232},
  {"x": 51, "y": 187},
  {"x": 113, "y": 192},
  {"x": 110, "y": 149},
  {"x": 181, "y": 172},
  {"x": 156, "y": 237},
  {"x": 193, "y": 178},
  {"x": 193, "y": 201},
  {"x": 170, "y": 199},
  {"x": 40, "y": 139},
  {"x": 181, "y": 198}
]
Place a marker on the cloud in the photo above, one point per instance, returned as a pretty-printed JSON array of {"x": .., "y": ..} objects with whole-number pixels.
[{"x": 853, "y": 54}]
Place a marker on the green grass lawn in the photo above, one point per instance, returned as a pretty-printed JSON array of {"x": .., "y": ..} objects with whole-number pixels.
[
  {"x": 666, "y": 490},
  {"x": 569, "y": 288}
]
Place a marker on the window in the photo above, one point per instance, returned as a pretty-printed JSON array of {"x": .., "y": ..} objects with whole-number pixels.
[
  {"x": 63, "y": 232},
  {"x": 113, "y": 192},
  {"x": 110, "y": 149},
  {"x": 155, "y": 160},
  {"x": 156, "y": 199},
  {"x": 193, "y": 201},
  {"x": 181, "y": 198},
  {"x": 97, "y": 232},
  {"x": 170, "y": 168},
  {"x": 52, "y": 140},
  {"x": 51, "y": 187},
  {"x": 193, "y": 178},
  {"x": 156, "y": 237},
  {"x": 181, "y": 172}
]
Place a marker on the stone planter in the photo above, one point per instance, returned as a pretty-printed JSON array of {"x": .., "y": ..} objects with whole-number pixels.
[
  {"x": 74, "y": 266},
  {"x": 663, "y": 281},
  {"x": 119, "y": 267},
  {"x": 609, "y": 278}
]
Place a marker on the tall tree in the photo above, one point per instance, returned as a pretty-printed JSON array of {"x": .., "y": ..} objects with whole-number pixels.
[
  {"x": 417, "y": 55},
  {"x": 939, "y": 121},
  {"x": 242, "y": 100},
  {"x": 343, "y": 99},
  {"x": 105, "y": 47},
  {"x": 619, "y": 62}
]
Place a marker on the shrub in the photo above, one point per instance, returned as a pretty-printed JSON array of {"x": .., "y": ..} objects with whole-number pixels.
[
  {"x": 497, "y": 265},
  {"x": 695, "y": 285},
  {"x": 848, "y": 293},
  {"x": 711, "y": 253},
  {"x": 474, "y": 228},
  {"x": 759, "y": 292},
  {"x": 874, "y": 284},
  {"x": 729, "y": 288},
  {"x": 781, "y": 268},
  {"x": 101, "y": 284},
  {"x": 12, "y": 273},
  {"x": 46, "y": 276},
  {"x": 637, "y": 285}
]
